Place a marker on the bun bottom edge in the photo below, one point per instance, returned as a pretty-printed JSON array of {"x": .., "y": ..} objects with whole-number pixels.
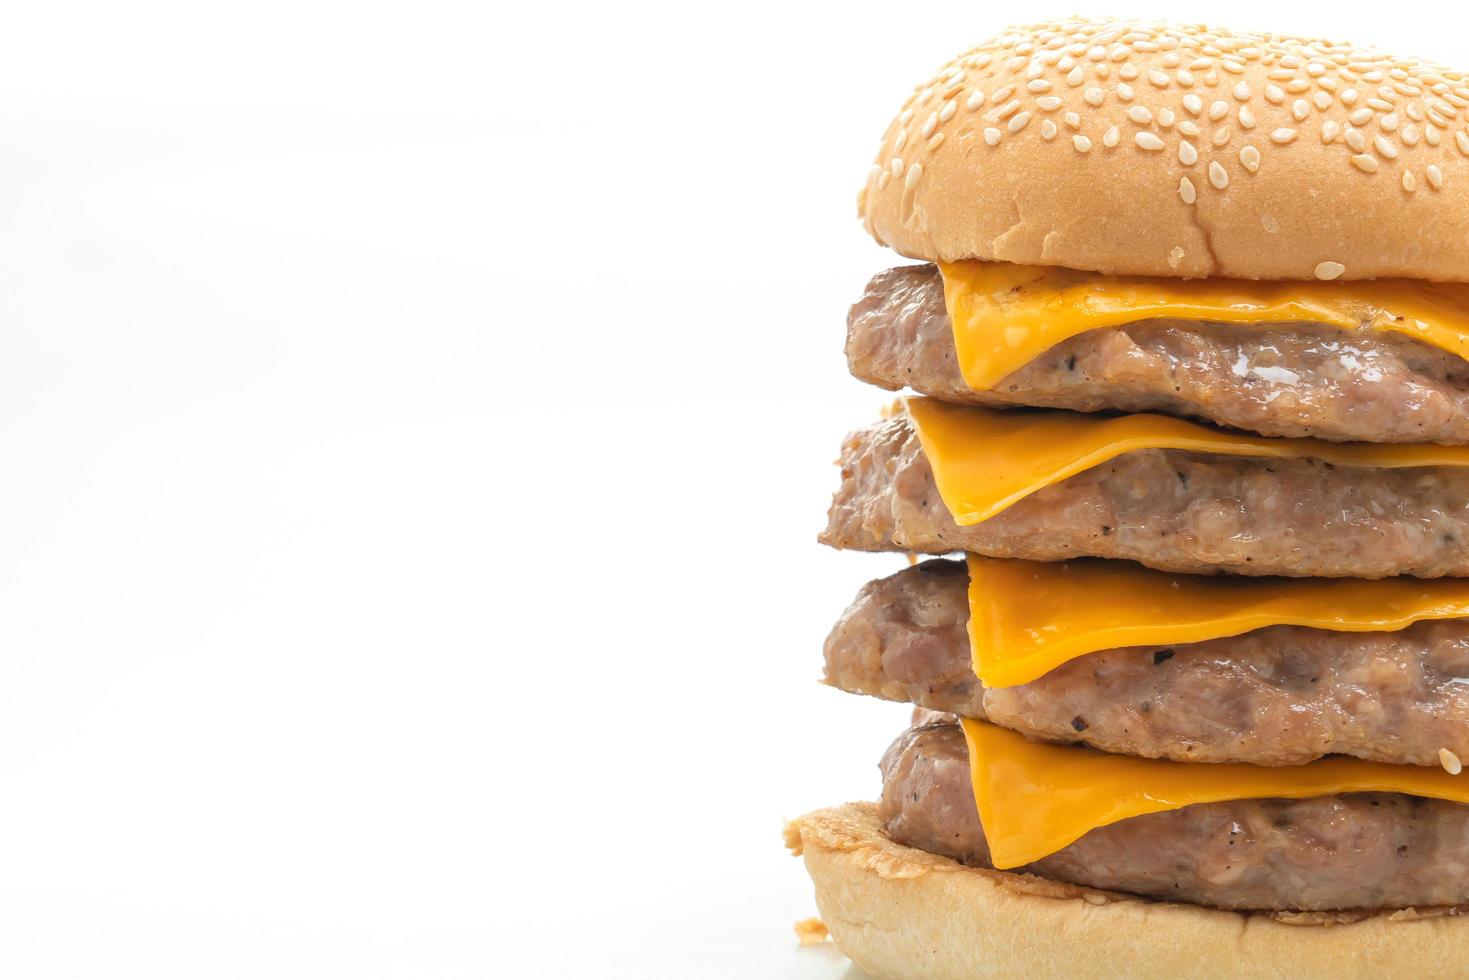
[{"x": 904, "y": 914}]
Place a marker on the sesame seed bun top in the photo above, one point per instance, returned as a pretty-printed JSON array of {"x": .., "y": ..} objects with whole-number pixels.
[{"x": 1154, "y": 149}]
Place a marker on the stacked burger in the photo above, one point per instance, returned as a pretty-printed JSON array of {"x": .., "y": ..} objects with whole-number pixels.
[{"x": 1190, "y": 394}]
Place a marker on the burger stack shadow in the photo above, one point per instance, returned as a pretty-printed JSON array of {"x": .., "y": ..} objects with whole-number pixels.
[{"x": 1187, "y": 405}]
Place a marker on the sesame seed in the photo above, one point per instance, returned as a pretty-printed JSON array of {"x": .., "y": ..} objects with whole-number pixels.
[
  {"x": 1366, "y": 164},
  {"x": 1094, "y": 96},
  {"x": 1242, "y": 91},
  {"x": 1048, "y": 103},
  {"x": 1185, "y": 77},
  {"x": 1330, "y": 130},
  {"x": 1188, "y": 127},
  {"x": 1018, "y": 121},
  {"x": 1449, "y": 761},
  {"x": 1140, "y": 114},
  {"x": 1002, "y": 94},
  {"x": 992, "y": 136},
  {"x": 1125, "y": 92},
  {"x": 1275, "y": 94},
  {"x": 1348, "y": 96},
  {"x": 975, "y": 100},
  {"x": 1462, "y": 139},
  {"x": 1430, "y": 134},
  {"x": 1282, "y": 135},
  {"x": 1219, "y": 110},
  {"x": 896, "y": 166},
  {"x": 1158, "y": 78},
  {"x": 1111, "y": 136},
  {"x": 915, "y": 171},
  {"x": 1082, "y": 144},
  {"x": 1048, "y": 129},
  {"x": 1186, "y": 190},
  {"x": 1382, "y": 145},
  {"x": 1361, "y": 117},
  {"x": 1434, "y": 175},
  {"x": 882, "y": 180},
  {"x": 1380, "y": 105},
  {"x": 1221, "y": 136},
  {"x": 1249, "y": 158},
  {"x": 947, "y": 112},
  {"x": 1193, "y": 104},
  {"x": 1300, "y": 109},
  {"x": 1006, "y": 110},
  {"x": 1218, "y": 176},
  {"x": 1329, "y": 270},
  {"x": 1355, "y": 139},
  {"x": 1072, "y": 119},
  {"x": 1389, "y": 122},
  {"x": 929, "y": 125},
  {"x": 1409, "y": 183},
  {"x": 1148, "y": 141},
  {"x": 1246, "y": 117},
  {"x": 1322, "y": 100},
  {"x": 1128, "y": 72},
  {"x": 1038, "y": 85},
  {"x": 1187, "y": 154},
  {"x": 933, "y": 144},
  {"x": 1076, "y": 76}
]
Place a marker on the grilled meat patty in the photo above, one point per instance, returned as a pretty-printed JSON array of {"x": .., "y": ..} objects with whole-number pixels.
[
  {"x": 1279, "y": 380},
  {"x": 1279, "y": 696},
  {"x": 1173, "y": 510},
  {"x": 1352, "y": 851}
]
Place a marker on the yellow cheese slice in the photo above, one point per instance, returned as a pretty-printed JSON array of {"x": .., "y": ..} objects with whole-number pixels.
[
  {"x": 1035, "y": 798},
  {"x": 1004, "y": 316},
  {"x": 985, "y": 459},
  {"x": 1026, "y": 618}
]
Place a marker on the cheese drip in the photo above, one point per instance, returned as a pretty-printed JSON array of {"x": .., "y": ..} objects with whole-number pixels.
[
  {"x": 1035, "y": 798},
  {"x": 985, "y": 460},
  {"x": 1005, "y": 316},
  {"x": 1027, "y": 618}
]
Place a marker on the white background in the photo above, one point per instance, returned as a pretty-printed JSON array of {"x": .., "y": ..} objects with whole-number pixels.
[{"x": 415, "y": 421}]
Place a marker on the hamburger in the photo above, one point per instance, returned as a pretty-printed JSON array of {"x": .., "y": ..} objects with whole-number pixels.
[{"x": 1186, "y": 354}]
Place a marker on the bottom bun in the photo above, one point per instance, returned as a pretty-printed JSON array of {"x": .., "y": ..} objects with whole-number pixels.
[{"x": 901, "y": 913}]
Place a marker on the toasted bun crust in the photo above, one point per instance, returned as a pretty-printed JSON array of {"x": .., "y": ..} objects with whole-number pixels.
[
  {"x": 1150, "y": 149},
  {"x": 900, "y": 913}
]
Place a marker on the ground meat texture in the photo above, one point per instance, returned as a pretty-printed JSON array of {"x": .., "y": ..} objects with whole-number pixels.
[
  {"x": 1280, "y": 380},
  {"x": 1353, "y": 851},
  {"x": 1280, "y": 696},
  {"x": 1177, "y": 511}
]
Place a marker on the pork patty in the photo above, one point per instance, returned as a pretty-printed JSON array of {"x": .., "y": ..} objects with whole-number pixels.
[
  {"x": 1173, "y": 510},
  {"x": 1352, "y": 851},
  {"x": 1280, "y": 696},
  {"x": 1280, "y": 380}
]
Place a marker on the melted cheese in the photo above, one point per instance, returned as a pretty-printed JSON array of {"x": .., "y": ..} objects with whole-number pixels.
[
  {"x": 1027, "y": 618},
  {"x": 984, "y": 460},
  {"x": 1035, "y": 798},
  {"x": 1005, "y": 316}
]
